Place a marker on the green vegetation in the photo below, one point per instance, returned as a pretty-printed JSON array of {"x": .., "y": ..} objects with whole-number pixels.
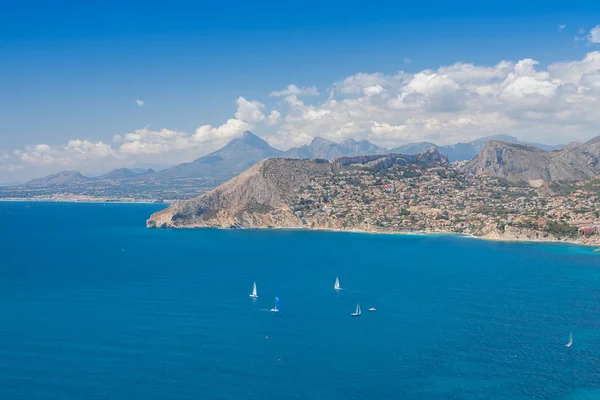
[{"x": 560, "y": 229}]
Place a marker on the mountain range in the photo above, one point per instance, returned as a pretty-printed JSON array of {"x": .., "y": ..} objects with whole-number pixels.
[
  {"x": 328, "y": 150},
  {"x": 465, "y": 151},
  {"x": 248, "y": 149},
  {"x": 527, "y": 163}
]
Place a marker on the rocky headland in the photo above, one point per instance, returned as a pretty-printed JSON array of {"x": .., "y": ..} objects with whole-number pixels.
[{"x": 392, "y": 193}]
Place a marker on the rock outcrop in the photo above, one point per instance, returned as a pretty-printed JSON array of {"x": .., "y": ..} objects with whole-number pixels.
[
  {"x": 527, "y": 163},
  {"x": 261, "y": 196},
  {"x": 326, "y": 149},
  {"x": 257, "y": 198}
]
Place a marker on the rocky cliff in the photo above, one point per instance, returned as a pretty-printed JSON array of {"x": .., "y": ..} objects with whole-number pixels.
[
  {"x": 527, "y": 163},
  {"x": 257, "y": 198},
  {"x": 261, "y": 196}
]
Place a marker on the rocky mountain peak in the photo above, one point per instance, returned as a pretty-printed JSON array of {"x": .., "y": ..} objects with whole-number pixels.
[{"x": 526, "y": 163}]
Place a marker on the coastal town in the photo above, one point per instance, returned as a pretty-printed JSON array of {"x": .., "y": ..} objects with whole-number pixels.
[{"x": 443, "y": 199}]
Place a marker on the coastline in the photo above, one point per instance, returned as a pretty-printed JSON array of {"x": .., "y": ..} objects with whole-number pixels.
[
  {"x": 426, "y": 233},
  {"x": 494, "y": 238},
  {"x": 462, "y": 235},
  {"x": 88, "y": 201},
  {"x": 444, "y": 233}
]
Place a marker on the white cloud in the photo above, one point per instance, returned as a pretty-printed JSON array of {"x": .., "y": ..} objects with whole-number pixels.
[
  {"x": 373, "y": 90},
  {"x": 594, "y": 36},
  {"x": 293, "y": 90},
  {"x": 74, "y": 151},
  {"x": 147, "y": 141},
  {"x": 274, "y": 117},
  {"x": 407, "y": 60},
  {"x": 561, "y": 28},
  {"x": 249, "y": 111},
  {"x": 558, "y": 103},
  {"x": 139, "y": 102},
  {"x": 460, "y": 102},
  {"x": 221, "y": 134}
]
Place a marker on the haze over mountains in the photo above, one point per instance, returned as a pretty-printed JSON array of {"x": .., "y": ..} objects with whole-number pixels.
[
  {"x": 248, "y": 149},
  {"x": 510, "y": 159}
]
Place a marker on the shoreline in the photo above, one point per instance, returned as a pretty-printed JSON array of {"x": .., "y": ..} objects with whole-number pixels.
[
  {"x": 429, "y": 233},
  {"x": 334, "y": 230},
  {"x": 82, "y": 201},
  {"x": 461, "y": 235}
]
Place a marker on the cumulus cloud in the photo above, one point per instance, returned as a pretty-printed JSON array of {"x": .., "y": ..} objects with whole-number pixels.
[
  {"x": 154, "y": 142},
  {"x": 139, "y": 102},
  {"x": 373, "y": 90},
  {"x": 459, "y": 102},
  {"x": 594, "y": 36},
  {"x": 250, "y": 111},
  {"x": 221, "y": 134},
  {"x": 293, "y": 90},
  {"x": 274, "y": 117},
  {"x": 73, "y": 152},
  {"x": 172, "y": 144},
  {"x": 557, "y": 103}
]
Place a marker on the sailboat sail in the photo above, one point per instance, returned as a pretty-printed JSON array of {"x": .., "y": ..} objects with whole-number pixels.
[
  {"x": 254, "y": 293},
  {"x": 336, "y": 286},
  {"x": 570, "y": 340},
  {"x": 358, "y": 309},
  {"x": 277, "y": 303}
]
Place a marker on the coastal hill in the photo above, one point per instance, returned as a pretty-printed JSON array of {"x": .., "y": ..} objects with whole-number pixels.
[
  {"x": 74, "y": 178},
  {"x": 527, "y": 163},
  {"x": 60, "y": 179},
  {"x": 394, "y": 193},
  {"x": 264, "y": 195}
]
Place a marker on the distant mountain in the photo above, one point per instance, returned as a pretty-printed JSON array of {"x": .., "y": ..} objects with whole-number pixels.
[
  {"x": 69, "y": 178},
  {"x": 238, "y": 155},
  {"x": 465, "y": 151},
  {"x": 125, "y": 173},
  {"x": 326, "y": 149},
  {"x": 243, "y": 152},
  {"x": 427, "y": 158},
  {"x": 526, "y": 163},
  {"x": 413, "y": 148},
  {"x": 64, "y": 178}
]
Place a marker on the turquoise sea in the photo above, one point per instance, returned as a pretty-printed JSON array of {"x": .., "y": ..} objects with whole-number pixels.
[{"x": 95, "y": 306}]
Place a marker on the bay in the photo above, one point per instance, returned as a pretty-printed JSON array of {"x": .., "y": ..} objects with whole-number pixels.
[{"x": 93, "y": 305}]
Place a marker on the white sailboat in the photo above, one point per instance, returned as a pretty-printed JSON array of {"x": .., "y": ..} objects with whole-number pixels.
[
  {"x": 276, "y": 308},
  {"x": 357, "y": 312},
  {"x": 372, "y": 309},
  {"x": 336, "y": 286},
  {"x": 254, "y": 293},
  {"x": 570, "y": 340}
]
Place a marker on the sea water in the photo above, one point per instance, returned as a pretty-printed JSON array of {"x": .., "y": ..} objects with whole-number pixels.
[{"x": 95, "y": 306}]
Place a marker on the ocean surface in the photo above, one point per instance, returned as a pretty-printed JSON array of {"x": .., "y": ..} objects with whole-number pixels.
[{"x": 95, "y": 306}]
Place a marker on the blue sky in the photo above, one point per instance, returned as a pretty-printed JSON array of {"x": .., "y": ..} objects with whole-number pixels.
[{"x": 71, "y": 70}]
